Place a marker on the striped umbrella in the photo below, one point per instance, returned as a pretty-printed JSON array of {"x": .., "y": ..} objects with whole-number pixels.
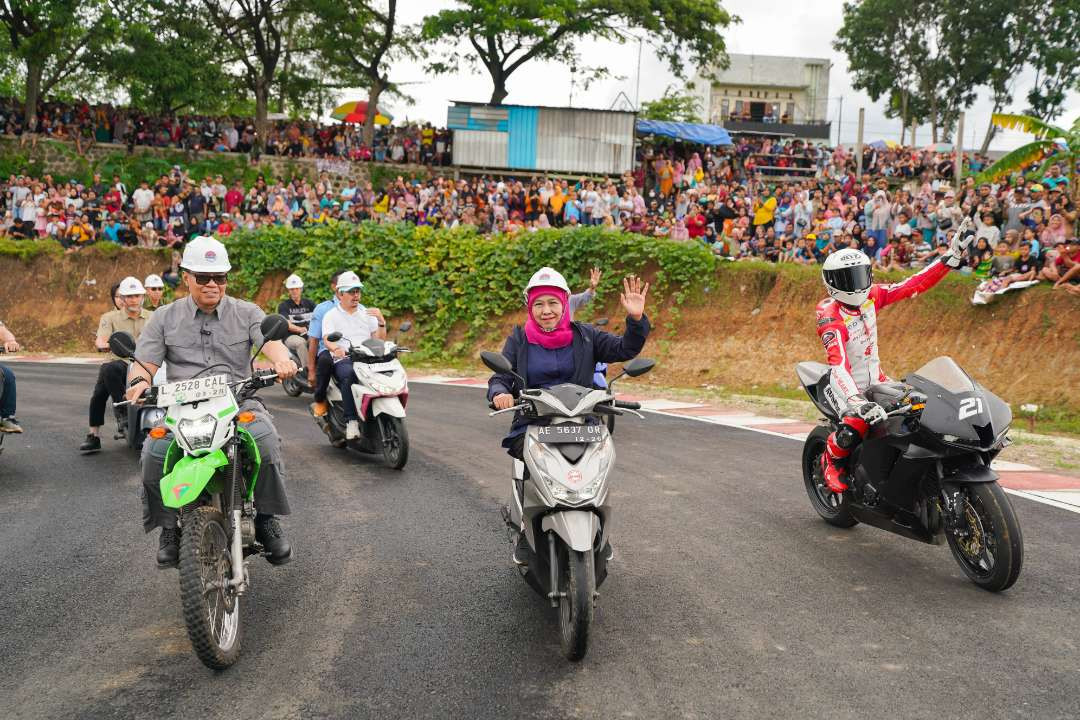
[{"x": 356, "y": 112}]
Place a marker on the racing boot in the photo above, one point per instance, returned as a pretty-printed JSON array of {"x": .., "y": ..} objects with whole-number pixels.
[
  {"x": 269, "y": 534},
  {"x": 168, "y": 548},
  {"x": 835, "y": 476}
]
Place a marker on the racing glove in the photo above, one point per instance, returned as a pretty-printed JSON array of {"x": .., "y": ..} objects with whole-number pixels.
[
  {"x": 961, "y": 240},
  {"x": 871, "y": 413}
]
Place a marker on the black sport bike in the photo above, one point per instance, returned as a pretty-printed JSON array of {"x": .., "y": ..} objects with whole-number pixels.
[{"x": 925, "y": 472}]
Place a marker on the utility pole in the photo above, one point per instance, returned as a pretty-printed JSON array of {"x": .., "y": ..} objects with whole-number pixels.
[
  {"x": 637, "y": 86},
  {"x": 858, "y": 144},
  {"x": 959, "y": 171},
  {"x": 839, "y": 121}
]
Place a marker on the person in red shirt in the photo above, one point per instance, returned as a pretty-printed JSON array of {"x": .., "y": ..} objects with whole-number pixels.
[
  {"x": 226, "y": 226},
  {"x": 234, "y": 197},
  {"x": 695, "y": 223}
]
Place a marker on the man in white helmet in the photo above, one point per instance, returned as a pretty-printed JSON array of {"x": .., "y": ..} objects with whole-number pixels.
[
  {"x": 112, "y": 376},
  {"x": 297, "y": 310},
  {"x": 155, "y": 290},
  {"x": 210, "y": 329},
  {"x": 847, "y": 326}
]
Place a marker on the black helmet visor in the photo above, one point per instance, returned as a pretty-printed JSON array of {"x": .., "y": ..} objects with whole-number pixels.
[{"x": 850, "y": 279}]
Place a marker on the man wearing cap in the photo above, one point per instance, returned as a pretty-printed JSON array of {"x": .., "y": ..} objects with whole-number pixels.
[
  {"x": 155, "y": 291},
  {"x": 112, "y": 376},
  {"x": 208, "y": 329},
  {"x": 297, "y": 310},
  {"x": 356, "y": 324},
  {"x": 320, "y": 366}
]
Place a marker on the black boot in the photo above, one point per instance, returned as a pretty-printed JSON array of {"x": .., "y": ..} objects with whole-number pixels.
[
  {"x": 168, "y": 548},
  {"x": 270, "y": 535},
  {"x": 92, "y": 444}
]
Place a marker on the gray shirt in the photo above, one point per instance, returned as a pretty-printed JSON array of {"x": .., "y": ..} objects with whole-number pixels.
[{"x": 188, "y": 340}]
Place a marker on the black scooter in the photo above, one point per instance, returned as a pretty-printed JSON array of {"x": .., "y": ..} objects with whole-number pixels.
[{"x": 925, "y": 472}]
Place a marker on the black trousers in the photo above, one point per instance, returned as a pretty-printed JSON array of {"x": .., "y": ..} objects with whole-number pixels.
[
  {"x": 111, "y": 383},
  {"x": 324, "y": 370}
]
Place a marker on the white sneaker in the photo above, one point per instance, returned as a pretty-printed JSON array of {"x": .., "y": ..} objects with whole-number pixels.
[{"x": 352, "y": 430}]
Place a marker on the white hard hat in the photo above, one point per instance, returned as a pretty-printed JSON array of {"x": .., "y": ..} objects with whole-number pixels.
[
  {"x": 293, "y": 281},
  {"x": 205, "y": 254},
  {"x": 131, "y": 286},
  {"x": 546, "y": 277},
  {"x": 348, "y": 280},
  {"x": 848, "y": 276},
  {"x": 153, "y": 281}
]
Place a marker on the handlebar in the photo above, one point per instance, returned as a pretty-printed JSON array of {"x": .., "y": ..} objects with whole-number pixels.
[{"x": 627, "y": 405}]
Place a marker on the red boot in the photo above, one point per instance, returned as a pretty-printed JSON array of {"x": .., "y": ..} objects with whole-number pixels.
[{"x": 834, "y": 476}]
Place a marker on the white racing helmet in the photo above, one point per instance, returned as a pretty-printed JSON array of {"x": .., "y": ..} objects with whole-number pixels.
[
  {"x": 848, "y": 276},
  {"x": 131, "y": 286},
  {"x": 546, "y": 277},
  {"x": 206, "y": 255},
  {"x": 293, "y": 281}
]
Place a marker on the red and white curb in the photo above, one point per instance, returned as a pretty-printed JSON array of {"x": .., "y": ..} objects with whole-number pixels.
[{"x": 1026, "y": 481}]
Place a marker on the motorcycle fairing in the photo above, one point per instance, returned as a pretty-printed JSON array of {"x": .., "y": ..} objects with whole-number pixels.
[
  {"x": 577, "y": 528},
  {"x": 251, "y": 448},
  {"x": 189, "y": 477}
]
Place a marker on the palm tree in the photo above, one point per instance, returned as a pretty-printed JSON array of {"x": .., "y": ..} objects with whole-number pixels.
[{"x": 1051, "y": 145}]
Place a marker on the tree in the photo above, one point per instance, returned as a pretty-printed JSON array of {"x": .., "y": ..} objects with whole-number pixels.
[
  {"x": 672, "y": 105},
  {"x": 251, "y": 31},
  {"x": 1055, "y": 58},
  {"x": 503, "y": 35},
  {"x": 167, "y": 63},
  {"x": 1052, "y": 144},
  {"x": 362, "y": 39},
  {"x": 55, "y": 41}
]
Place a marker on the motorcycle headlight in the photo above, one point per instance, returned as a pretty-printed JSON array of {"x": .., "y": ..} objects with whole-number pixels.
[
  {"x": 560, "y": 491},
  {"x": 198, "y": 433}
]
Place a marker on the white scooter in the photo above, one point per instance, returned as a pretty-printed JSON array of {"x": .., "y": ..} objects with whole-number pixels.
[
  {"x": 380, "y": 392},
  {"x": 559, "y": 518}
]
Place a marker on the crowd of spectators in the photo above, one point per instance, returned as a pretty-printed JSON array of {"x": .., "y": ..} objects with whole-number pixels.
[
  {"x": 767, "y": 199},
  {"x": 85, "y": 125}
]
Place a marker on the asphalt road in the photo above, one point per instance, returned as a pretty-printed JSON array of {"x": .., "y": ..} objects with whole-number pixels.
[{"x": 729, "y": 598}]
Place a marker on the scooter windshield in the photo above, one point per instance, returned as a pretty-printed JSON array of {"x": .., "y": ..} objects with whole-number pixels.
[{"x": 943, "y": 371}]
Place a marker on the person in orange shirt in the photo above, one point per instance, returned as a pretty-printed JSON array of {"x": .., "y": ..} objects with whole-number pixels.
[{"x": 558, "y": 199}]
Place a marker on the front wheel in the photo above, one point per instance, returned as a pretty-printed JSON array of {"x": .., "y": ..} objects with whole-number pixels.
[
  {"x": 292, "y": 386},
  {"x": 577, "y": 584},
  {"x": 988, "y": 544},
  {"x": 395, "y": 441},
  {"x": 211, "y": 606},
  {"x": 829, "y": 505}
]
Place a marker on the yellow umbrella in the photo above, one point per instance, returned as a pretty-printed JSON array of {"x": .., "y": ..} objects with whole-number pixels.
[{"x": 356, "y": 112}]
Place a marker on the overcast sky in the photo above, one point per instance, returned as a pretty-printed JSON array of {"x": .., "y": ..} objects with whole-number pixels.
[{"x": 780, "y": 27}]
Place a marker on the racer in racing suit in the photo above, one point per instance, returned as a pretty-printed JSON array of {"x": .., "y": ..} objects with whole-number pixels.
[{"x": 847, "y": 326}]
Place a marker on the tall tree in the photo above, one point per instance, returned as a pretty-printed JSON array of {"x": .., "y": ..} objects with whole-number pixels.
[
  {"x": 252, "y": 32},
  {"x": 55, "y": 41},
  {"x": 503, "y": 35},
  {"x": 362, "y": 38},
  {"x": 1055, "y": 59}
]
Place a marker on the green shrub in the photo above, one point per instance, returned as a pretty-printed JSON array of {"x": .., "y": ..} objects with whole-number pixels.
[
  {"x": 29, "y": 249},
  {"x": 458, "y": 278}
]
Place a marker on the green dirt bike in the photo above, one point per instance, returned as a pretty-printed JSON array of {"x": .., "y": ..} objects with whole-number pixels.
[{"x": 210, "y": 472}]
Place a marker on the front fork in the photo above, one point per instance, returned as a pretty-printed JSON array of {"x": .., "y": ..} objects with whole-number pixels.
[{"x": 243, "y": 526}]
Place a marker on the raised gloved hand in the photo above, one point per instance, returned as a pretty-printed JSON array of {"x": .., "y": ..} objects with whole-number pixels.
[
  {"x": 871, "y": 413},
  {"x": 961, "y": 240}
]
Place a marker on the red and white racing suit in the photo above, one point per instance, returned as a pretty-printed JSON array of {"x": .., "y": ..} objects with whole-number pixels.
[{"x": 849, "y": 335}]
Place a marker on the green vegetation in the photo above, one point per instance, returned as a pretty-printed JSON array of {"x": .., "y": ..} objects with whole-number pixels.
[{"x": 458, "y": 280}]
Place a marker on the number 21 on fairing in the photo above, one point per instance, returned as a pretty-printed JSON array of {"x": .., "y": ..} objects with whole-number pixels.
[{"x": 971, "y": 406}]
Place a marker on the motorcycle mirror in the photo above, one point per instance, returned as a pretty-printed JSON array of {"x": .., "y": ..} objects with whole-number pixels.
[
  {"x": 496, "y": 362},
  {"x": 405, "y": 326},
  {"x": 122, "y": 344},
  {"x": 333, "y": 337},
  {"x": 639, "y": 366},
  {"x": 601, "y": 322},
  {"x": 274, "y": 327}
]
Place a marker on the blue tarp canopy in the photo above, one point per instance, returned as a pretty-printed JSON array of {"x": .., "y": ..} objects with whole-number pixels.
[{"x": 690, "y": 132}]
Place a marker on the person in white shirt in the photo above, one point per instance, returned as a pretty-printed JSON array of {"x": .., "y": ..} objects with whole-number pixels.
[{"x": 356, "y": 324}]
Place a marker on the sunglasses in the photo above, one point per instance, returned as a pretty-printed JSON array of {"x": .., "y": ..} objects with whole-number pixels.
[{"x": 205, "y": 278}]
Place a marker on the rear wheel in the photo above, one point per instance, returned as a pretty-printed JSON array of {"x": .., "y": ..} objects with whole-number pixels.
[
  {"x": 577, "y": 583},
  {"x": 395, "y": 441},
  {"x": 988, "y": 544},
  {"x": 292, "y": 386},
  {"x": 829, "y": 505},
  {"x": 211, "y": 606}
]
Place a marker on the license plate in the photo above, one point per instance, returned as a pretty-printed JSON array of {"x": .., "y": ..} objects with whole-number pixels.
[
  {"x": 570, "y": 433},
  {"x": 194, "y": 390},
  {"x": 382, "y": 367}
]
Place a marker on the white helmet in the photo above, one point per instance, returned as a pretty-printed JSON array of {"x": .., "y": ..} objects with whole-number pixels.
[
  {"x": 546, "y": 277},
  {"x": 205, "y": 254},
  {"x": 848, "y": 276},
  {"x": 293, "y": 281},
  {"x": 153, "y": 281},
  {"x": 131, "y": 286}
]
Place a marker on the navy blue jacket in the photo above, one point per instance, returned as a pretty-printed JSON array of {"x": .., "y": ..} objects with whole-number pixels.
[{"x": 590, "y": 346}]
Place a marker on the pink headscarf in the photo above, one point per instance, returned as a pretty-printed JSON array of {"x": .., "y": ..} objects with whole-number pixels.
[{"x": 562, "y": 335}]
